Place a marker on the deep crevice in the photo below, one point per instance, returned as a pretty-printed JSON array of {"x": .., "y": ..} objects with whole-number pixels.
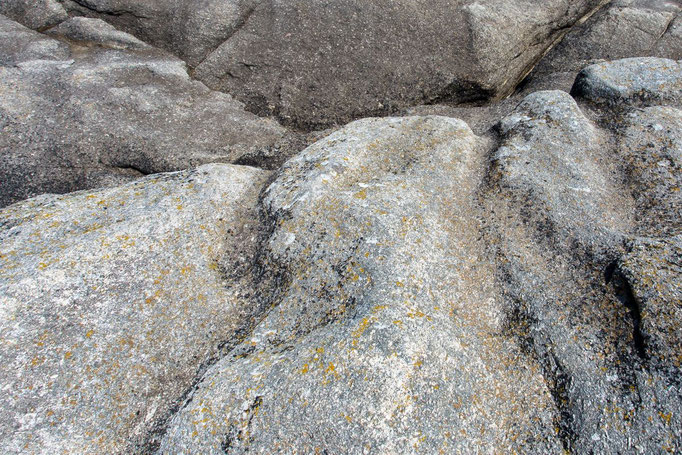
[
  {"x": 267, "y": 280},
  {"x": 626, "y": 296}
]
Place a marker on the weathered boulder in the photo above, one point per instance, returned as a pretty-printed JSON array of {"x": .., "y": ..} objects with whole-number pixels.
[
  {"x": 631, "y": 81},
  {"x": 385, "y": 337},
  {"x": 82, "y": 115},
  {"x": 624, "y": 28},
  {"x": 35, "y": 14},
  {"x": 111, "y": 301},
  {"x": 315, "y": 63},
  {"x": 565, "y": 196}
]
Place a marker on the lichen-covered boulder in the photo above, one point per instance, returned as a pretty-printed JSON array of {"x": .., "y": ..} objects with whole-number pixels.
[
  {"x": 565, "y": 196},
  {"x": 385, "y": 337},
  {"x": 111, "y": 301}
]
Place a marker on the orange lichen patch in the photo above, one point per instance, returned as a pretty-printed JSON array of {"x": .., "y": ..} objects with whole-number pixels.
[
  {"x": 68, "y": 355},
  {"x": 666, "y": 417},
  {"x": 361, "y": 194},
  {"x": 89, "y": 333},
  {"x": 361, "y": 328},
  {"x": 305, "y": 369}
]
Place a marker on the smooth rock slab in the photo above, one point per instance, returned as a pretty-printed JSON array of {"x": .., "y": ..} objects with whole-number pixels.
[
  {"x": 317, "y": 63},
  {"x": 91, "y": 114},
  {"x": 386, "y": 335},
  {"x": 631, "y": 81},
  {"x": 110, "y": 301}
]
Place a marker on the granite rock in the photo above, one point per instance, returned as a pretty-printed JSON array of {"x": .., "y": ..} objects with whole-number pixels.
[
  {"x": 112, "y": 300},
  {"x": 81, "y": 115}
]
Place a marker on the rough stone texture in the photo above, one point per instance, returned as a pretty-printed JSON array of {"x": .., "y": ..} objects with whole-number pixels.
[
  {"x": 110, "y": 302},
  {"x": 22, "y": 44},
  {"x": 96, "y": 31},
  {"x": 562, "y": 208},
  {"x": 315, "y": 63},
  {"x": 388, "y": 296},
  {"x": 80, "y": 116},
  {"x": 401, "y": 286},
  {"x": 651, "y": 152},
  {"x": 625, "y": 28},
  {"x": 631, "y": 81},
  {"x": 652, "y": 269},
  {"x": 35, "y": 14}
]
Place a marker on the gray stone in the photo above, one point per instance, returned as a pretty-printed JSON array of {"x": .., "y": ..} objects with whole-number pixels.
[
  {"x": 22, "y": 44},
  {"x": 317, "y": 63},
  {"x": 35, "y": 14},
  {"x": 625, "y": 28},
  {"x": 563, "y": 202},
  {"x": 78, "y": 116},
  {"x": 631, "y": 81},
  {"x": 112, "y": 300},
  {"x": 650, "y": 150},
  {"x": 652, "y": 269},
  {"x": 96, "y": 31},
  {"x": 385, "y": 336}
]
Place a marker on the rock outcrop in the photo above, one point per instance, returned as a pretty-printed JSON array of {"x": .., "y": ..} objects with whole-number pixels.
[
  {"x": 416, "y": 284},
  {"x": 316, "y": 63},
  {"x": 625, "y": 28},
  {"x": 106, "y": 108},
  {"x": 112, "y": 301}
]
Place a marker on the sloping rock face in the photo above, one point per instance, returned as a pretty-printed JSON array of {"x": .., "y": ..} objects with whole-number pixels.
[
  {"x": 315, "y": 63},
  {"x": 112, "y": 300},
  {"x": 573, "y": 223},
  {"x": 107, "y": 108},
  {"x": 388, "y": 296},
  {"x": 625, "y": 28}
]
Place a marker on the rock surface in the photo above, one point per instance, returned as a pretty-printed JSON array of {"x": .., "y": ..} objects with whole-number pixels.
[
  {"x": 563, "y": 208},
  {"x": 35, "y": 14},
  {"x": 77, "y": 116},
  {"x": 388, "y": 296},
  {"x": 409, "y": 284},
  {"x": 625, "y": 28},
  {"x": 111, "y": 301},
  {"x": 631, "y": 81},
  {"x": 318, "y": 63}
]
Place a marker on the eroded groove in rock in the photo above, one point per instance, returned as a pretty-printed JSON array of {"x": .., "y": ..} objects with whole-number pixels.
[
  {"x": 109, "y": 318},
  {"x": 390, "y": 291}
]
